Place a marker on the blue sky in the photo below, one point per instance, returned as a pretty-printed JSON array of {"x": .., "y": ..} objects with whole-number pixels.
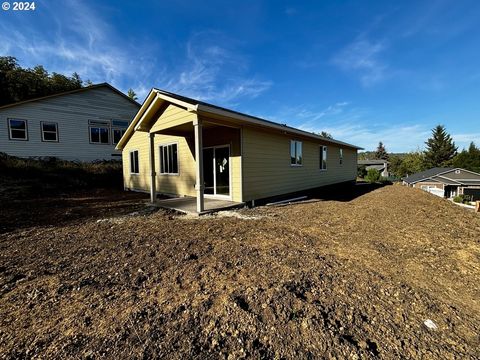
[{"x": 365, "y": 71}]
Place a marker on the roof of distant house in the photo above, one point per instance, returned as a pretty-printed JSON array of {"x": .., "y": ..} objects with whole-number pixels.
[
  {"x": 86, "y": 88},
  {"x": 372, "y": 162}
]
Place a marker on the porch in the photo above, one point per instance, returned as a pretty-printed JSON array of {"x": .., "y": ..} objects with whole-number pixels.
[{"x": 188, "y": 205}]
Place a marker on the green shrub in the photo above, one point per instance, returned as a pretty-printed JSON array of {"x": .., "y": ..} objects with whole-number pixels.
[
  {"x": 361, "y": 171},
  {"x": 373, "y": 175},
  {"x": 458, "y": 199}
]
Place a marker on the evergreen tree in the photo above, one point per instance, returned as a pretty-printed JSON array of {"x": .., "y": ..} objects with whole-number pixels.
[
  {"x": 468, "y": 159},
  {"x": 326, "y": 135},
  {"x": 131, "y": 94},
  {"x": 381, "y": 152},
  {"x": 17, "y": 83},
  {"x": 440, "y": 148}
]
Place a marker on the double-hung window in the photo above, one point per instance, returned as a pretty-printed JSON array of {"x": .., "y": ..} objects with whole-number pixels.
[
  {"x": 99, "y": 132},
  {"x": 323, "y": 158},
  {"x": 134, "y": 166},
  {"x": 17, "y": 129},
  {"x": 49, "y": 131},
  {"x": 341, "y": 156},
  {"x": 296, "y": 157},
  {"x": 169, "y": 159},
  {"x": 118, "y": 129}
]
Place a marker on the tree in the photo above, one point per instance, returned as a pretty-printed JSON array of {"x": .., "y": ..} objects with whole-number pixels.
[
  {"x": 412, "y": 163},
  {"x": 381, "y": 152},
  {"x": 373, "y": 175},
  {"x": 326, "y": 135},
  {"x": 468, "y": 159},
  {"x": 17, "y": 83},
  {"x": 440, "y": 148},
  {"x": 131, "y": 94}
]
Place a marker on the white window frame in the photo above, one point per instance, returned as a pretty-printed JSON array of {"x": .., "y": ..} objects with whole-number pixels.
[
  {"x": 99, "y": 136},
  {"x": 50, "y": 132},
  {"x": 132, "y": 163},
  {"x": 341, "y": 156},
  {"x": 297, "y": 163},
  {"x": 323, "y": 159},
  {"x": 160, "y": 156},
  {"x": 122, "y": 130},
  {"x": 10, "y": 137}
]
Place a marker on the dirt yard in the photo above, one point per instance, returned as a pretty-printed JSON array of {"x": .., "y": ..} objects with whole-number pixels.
[{"x": 93, "y": 276}]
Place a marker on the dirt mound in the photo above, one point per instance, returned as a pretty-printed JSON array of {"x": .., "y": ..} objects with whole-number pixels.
[{"x": 326, "y": 279}]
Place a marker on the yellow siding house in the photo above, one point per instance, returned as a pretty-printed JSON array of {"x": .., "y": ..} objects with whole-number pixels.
[{"x": 183, "y": 147}]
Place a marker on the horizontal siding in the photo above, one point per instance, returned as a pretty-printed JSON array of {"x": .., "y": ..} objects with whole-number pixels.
[
  {"x": 182, "y": 184},
  {"x": 71, "y": 112},
  {"x": 171, "y": 117},
  {"x": 267, "y": 170},
  {"x": 464, "y": 175}
]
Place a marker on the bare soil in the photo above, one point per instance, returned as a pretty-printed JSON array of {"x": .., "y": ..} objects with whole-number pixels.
[{"x": 103, "y": 276}]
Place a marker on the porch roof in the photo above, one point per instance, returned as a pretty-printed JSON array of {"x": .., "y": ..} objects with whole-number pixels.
[{"x": 157, "y": 97}]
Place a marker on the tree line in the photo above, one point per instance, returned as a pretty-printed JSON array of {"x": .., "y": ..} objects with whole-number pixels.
[
  {"x": 440, "y": 151},
  {"x": 19, "y": 84}
]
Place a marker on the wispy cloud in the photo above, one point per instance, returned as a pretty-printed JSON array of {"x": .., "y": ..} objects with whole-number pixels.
[
  {"x": 362, "y": 57},
  {"x": 86, "y": 44},
  {"x": 215, "y": 73}
]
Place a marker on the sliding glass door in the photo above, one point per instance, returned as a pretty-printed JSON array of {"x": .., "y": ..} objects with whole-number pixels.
[{"x": 216, "y": 170}]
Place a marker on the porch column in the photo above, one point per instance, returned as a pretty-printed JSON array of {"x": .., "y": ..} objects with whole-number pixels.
[
  {"x": 199, "y": 185},
  {"x": 153, "y": 190}
]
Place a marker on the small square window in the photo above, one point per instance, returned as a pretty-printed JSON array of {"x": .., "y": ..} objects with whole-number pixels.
[
  {"x": 17, "y": 129},
  {"x": 99, "y": 135},
  {"x": 49, "y": 131}
]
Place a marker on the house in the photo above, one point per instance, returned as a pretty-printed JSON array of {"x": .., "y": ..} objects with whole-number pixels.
[
  {"x": 446, "y": 182},
  {"x": 184, "y": 147},
  {"x": 380, "y": 165},
  {"x": 83, "y": 124}
]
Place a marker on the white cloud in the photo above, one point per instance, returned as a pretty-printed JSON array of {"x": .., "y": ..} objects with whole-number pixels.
[
  {"x": 86, "y": 44},
  {"x": 363, "y": 57}
]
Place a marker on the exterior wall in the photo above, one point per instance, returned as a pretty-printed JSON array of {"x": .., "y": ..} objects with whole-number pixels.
[
  {"x": 182, "y": 184},
  {"x": 428, "y": 183},
  {"x": 267, "y": 170},
  {"x": 172, "y": 116},
  {"x": 71, "y": 112}
]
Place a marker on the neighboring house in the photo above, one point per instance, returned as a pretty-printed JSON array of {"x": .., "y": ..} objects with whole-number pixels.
[
  {"x": 181, "y": 146},
  {"x": 446, "y": 182},
  {"x": 380, "y": 165},
  {"x": 83, "y": 124}
]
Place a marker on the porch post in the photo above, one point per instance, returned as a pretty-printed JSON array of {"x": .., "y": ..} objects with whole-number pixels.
[
  {"x": 153, "y": 190},
  {"x": 199, "y": 185}
]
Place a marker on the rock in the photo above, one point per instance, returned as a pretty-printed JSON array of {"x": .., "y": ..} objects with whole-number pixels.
[{"x": 430, "y": 324}]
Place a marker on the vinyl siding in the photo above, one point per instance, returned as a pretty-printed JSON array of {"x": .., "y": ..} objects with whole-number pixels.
[
  {"x": 267, "y": 170},
  {"x": 173, "y": 116},
  {"x": 182, "y": 184},
  {"x": 71, "y": 112},
  {"x": 463, "y": 175}
]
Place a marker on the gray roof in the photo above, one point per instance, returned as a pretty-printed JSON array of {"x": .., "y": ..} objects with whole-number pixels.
[
  {"x": 425, "y": 174},
  {"x": 372, "y": 162},
  {"x": 376, "y": 167}
]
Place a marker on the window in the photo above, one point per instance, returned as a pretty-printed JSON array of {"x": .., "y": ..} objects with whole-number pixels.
[
  {"x": 49, "y": 131},
  {"x": 117, "y": 135},
  {"x": 169, "y": 159},
  {"x": 99, "y": 135},
  {"x": 17, "y": 129},
  {"x": 118, "y": 130},
  {"x": 341, "y": 156},
  {"x": 296, "y": 158},
  {"x": 99, "y": 131},
  {"x": 134, "y": 169},
  {"x": 323, "y": 158}
]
